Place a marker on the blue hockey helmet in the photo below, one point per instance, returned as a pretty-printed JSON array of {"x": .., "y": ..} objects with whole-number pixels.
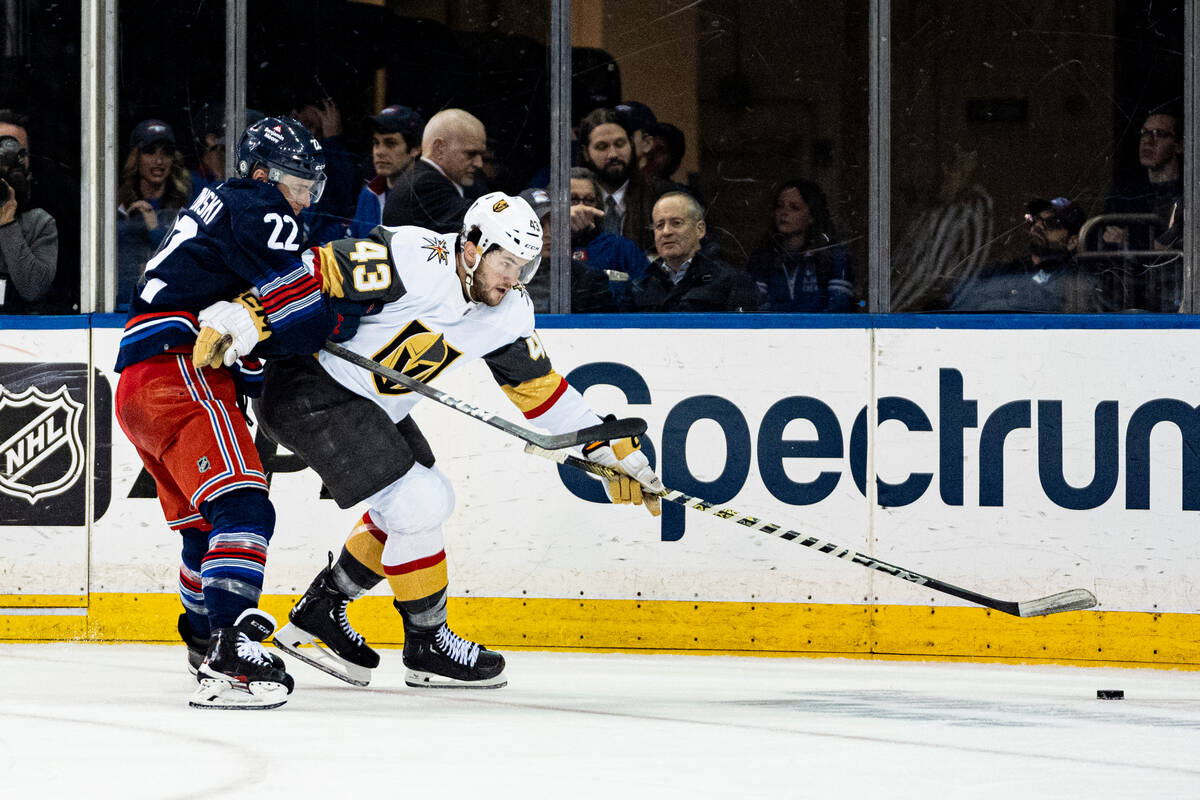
[{"x": 282, "y": 146}]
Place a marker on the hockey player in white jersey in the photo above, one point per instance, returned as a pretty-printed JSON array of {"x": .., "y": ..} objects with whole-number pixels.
[{"x": 422, "y": 303}]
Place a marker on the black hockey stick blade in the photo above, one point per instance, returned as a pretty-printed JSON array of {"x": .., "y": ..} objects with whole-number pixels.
[
  {"x": 1070, "y": 600},
  {"x": 612, "y": 429}
]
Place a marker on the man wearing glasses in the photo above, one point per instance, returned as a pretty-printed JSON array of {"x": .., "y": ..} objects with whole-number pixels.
[{"x": 1160, "y": 151}]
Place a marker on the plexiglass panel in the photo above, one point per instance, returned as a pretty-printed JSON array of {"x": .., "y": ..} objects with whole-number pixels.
[
  {"x": 756, "y": 110},
  {"x": 39, "y": 157},
  {"x": 1036, "y": 156}
]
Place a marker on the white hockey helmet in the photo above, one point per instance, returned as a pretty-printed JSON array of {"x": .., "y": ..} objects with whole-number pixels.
[{"x": 505, "y": 222}]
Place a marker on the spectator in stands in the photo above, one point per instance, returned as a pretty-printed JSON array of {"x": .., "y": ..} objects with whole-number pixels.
[
  {"x": 154, "y": 186},
  {"x": 1160, "y": 151},
  {"x": 619, "y": 259},
  {"x": 28, "y": 235},
  {"x": 799, "y": 267},
  {"x": 642, "y": 126},
  {"x": 431, "y": 195},
  {"x": 1047, "y": 278},
  {"x": 208, "y": 131},
  {"x": 684, "y": 278},
  {"x": 330, "y": 218},
  {"x": 629, "y": 196},
  {"x": 395, "y": 147},
  {"x": 947, "y": 237},
  {"x": 666, "y": 154},
  {"x": 589, "y": 289}
]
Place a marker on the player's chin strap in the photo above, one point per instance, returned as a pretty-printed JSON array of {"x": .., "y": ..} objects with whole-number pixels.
[
  {"x": 469, "y": 279},
  {"x": 1070, "y": 600}
]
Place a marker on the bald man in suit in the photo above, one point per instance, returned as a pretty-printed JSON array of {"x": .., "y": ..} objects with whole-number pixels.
[{"x": 431, "y": 195}]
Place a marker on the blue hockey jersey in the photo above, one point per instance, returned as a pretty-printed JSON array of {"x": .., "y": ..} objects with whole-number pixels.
[{"x": 238, "y": 235}]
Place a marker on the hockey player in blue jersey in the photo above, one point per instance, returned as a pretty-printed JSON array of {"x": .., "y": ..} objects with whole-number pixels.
[{"x": 186, "y": 363}]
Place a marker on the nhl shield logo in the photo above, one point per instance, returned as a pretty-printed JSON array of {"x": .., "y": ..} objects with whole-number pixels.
[{"x": 41, "y": 453}]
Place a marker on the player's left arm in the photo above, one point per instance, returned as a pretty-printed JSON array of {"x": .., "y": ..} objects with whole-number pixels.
[{"x": 523, "y": 370}]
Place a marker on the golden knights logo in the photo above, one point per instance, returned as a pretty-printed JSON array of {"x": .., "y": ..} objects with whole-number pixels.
[
  {"x": 416, "y": 352},
  {"x": 437, "y": 249},
  {"x": 41, "y": 452}
]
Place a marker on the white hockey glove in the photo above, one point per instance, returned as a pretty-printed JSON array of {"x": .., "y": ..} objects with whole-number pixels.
[
  {"x": 637, "y": 484},
  {"x": 229, "y": 331}
]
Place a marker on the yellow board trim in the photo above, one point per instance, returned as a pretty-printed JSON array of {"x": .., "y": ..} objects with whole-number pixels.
[
  {"x": 1082, "y": 638},
  {"x": 43, "y": 601}
]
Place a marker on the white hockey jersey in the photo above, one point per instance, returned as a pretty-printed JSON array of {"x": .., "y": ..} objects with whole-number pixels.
[{"x": 403, "y": 304}]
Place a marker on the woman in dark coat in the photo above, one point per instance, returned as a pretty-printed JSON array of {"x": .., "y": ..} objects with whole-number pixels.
[{"x": 798, "y": 267}]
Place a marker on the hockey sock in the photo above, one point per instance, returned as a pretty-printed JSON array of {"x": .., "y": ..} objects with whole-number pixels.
[
  {"x": 352, "y": 577},
  {"x": 231, "y": 571},
  {"x": 191, "y": 592},
  {"x": 425, "y": 613},
  {"x": 365, "y": 546},
  {"x": 419, "y": 580}
]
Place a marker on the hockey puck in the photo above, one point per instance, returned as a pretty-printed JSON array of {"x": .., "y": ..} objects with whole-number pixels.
[{"x": 1110, "y": 694}]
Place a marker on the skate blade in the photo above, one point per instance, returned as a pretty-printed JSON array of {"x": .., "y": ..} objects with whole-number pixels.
[
  {"x": 431, "y": 680},
  {"x": 289, "y": 638},
  {"x": 224, "y": 694}
]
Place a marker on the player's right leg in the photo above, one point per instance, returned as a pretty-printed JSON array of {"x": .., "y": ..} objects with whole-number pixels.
[
  {"x": 357, "y": 450},
  {"x": 319, "y": 618},
  {"x": 192, "y": 437},
  {"x": 411, "y": 512},
  {"x": 237, "y": 672}
]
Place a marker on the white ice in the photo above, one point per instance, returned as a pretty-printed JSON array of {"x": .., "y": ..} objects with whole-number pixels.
[{"x": 90, "y": 720}]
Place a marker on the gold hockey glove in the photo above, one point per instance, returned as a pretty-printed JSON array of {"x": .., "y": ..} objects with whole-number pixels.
[{"x": 638, "y": 484}]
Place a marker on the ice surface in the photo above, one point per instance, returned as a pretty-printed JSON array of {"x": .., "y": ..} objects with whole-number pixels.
[{"x": 94, "y": 720}]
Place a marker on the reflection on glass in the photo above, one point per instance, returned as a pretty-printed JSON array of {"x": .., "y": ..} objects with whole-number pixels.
[
  {"x": 750, "y": 121},
  {"x": 420, "y": 108},
  {"x": 39, "y": 158},
  {"x": 1020, "y": 177},
  {"x": 170, "y": 130}
]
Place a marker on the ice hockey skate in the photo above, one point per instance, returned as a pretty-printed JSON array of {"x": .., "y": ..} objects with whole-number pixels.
[
  {"x": 238, "y": 673},
  {"x": 439, "y": 658},
  {"x": 197, "y": 646},
  {"x": 320, "y": 619}
]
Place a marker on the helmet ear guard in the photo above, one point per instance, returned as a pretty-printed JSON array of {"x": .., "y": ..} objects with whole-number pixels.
[{"x": 508, "y": 223}]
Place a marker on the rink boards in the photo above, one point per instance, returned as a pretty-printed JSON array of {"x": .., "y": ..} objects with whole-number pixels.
[{"x": 1011, "y": 459}]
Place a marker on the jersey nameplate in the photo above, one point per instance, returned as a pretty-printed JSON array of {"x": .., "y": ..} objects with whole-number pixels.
[{"x": 207, "y": 205}]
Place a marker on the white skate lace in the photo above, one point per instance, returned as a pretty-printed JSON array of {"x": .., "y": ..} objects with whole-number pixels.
[
  {"x": 456, "y": 647},
  {"x": 354, "y": 635},
  {"x": 250, "y": 650}
]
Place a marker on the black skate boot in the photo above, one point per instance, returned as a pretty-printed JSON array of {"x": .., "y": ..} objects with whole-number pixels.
[
  {"x": 197, "y": 646},
  {"x": 320, "y": 619},
  {"x": 437, "y": 658},
  {"x": 238, "y": 673}
]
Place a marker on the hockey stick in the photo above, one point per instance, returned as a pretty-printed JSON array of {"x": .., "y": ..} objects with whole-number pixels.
[
  {"x": 1070, "y": 600},
  {"x": 613, "y": 429}
]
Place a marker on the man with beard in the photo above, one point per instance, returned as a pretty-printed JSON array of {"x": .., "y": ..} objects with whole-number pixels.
[
  {"x": 629, "y": 196},
  {"x": 1046, "y": 278}
]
